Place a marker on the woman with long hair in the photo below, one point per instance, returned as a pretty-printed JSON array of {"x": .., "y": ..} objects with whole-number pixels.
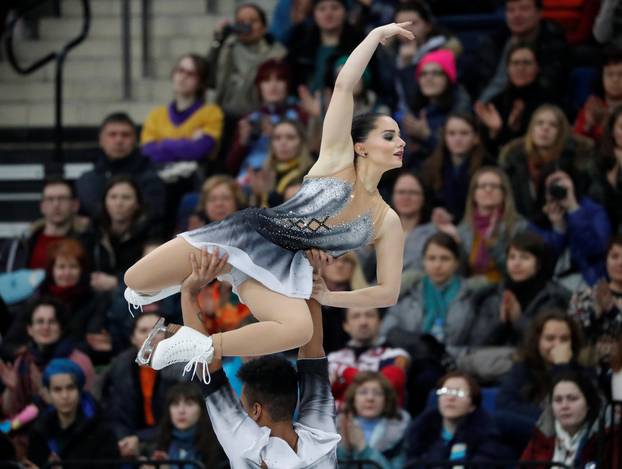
[
  {"x": 185, "y": 431},
  {"x": 609, "y": 167},
  {"x": 372, "y": 426},
  {"x": 338, "y": 209}
]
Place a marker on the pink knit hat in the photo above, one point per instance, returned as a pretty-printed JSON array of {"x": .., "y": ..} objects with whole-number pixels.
[{"x": 443, "y": 57}]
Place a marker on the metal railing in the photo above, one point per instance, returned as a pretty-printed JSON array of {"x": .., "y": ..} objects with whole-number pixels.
[{"x": 59, "y": 59}]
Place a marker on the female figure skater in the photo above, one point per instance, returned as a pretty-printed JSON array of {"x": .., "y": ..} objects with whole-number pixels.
[{"x": 337, "y": 209}]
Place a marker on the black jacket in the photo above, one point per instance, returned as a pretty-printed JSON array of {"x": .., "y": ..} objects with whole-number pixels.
[{"x": 88, "y": 438}]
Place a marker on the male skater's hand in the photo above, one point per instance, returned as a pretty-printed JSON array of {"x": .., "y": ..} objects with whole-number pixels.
[{"x": 204, "y": 269}]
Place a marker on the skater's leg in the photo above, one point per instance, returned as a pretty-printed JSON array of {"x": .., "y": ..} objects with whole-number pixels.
[
  {"x": 284, "y": 323},
  {"x": 165, "y": 266}
]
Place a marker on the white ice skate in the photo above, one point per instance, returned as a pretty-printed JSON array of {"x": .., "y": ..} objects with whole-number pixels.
[
  {"x": 138, "y": 300},
  {"x": 177, "y": 344}
]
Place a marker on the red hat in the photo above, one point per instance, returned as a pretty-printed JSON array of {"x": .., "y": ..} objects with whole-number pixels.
[{"x": 444, "y": 58}]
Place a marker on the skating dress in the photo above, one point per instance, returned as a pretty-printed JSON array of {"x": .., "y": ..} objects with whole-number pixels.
[{"x": 332, "y": 213}]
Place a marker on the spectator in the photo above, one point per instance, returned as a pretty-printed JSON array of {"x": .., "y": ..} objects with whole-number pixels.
[
  {"x": 180, "y": 136},
  {"x": 438, "y": 94},
  {"x": 239, "y": 57},
  {"x": 458, "y": 155},
  {"x": 72, "y": 427},
  {"x": 546, "y": 144},
  {"x": 551, "y": 345},
  {"x": 433, "y": 313},
  {"x": 527, "y": 288},
  {"x": 22, "y": 379},
  {"x": 458, "y": 428},
  {"x": 344, "y": 274},
  {"x": 117, "y": 238},
  {"x": 607, "y": 23},
  {"x": 366, "y": 351},
  {"x": 524, "y": 22},
  {"x": 489, "y": 222},
  {"x": 507, "y": 114},
  {"x": 399, "y": 60},
  {"x": 576, "y": 17},
  {"x": 220, "y": 196},
  {"x": 119, "y": 155},
  {"x": 312, "y": 46},
  {"x": 59, "y": 208},
  {"x": 568, "y": 430},
  {"x": 607, "y": 96},
  {"x": 598, "y": 309},
  {"x": 185, "y": 431},
  {"x": 251, "y": 143},
  {"x": 135, "y": 396},
  {"x": 609, "y": 164},
  {"x": 372, "y": 426},
  {"x": 578, "y": 231}
]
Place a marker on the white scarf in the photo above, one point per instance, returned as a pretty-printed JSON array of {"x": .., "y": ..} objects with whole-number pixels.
[{"x": 566, "y": 446}]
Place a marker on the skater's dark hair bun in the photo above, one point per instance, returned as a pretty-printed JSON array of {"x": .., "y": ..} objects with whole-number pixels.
[{"x": 363, "y": 124}]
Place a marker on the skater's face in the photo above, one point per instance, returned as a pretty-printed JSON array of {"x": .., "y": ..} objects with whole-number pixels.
[
  {"x": 45, "y": 328},
  {"x": 66, "y": 271},
  {"x": 185, "y": 78},
  {"x": 185, "y": 413},
  {"x": 64, "y": 394},
  {"x": 57, "y": 204},
  {"x": 407, "y": 196},
  {"x": 521, "y": 265},
  {"x": 614, "y": 263},
  {"x": 362, "y": 324},
  {"x": 522, "y": 67},
  {"x": 121, "y": 203},
  {"x": 439, "y": 263},
  {"x": 219, "y": 203},
  {"x": 383, "y": 148},
  {"x": 369, "y": 400},
  {"x": 460, "y": 137},
  {"x": 117, "y": 140},
  {"x": 569, "y": 406},
  {"x": 285, "y": 142},
  {"x": 545, "y": 129},
  {"x": 144, "y": 325},
  {"x": 273, "y": 90},
  {"x": 554, "y": 333},
  {"x": 454, "y": 401}
]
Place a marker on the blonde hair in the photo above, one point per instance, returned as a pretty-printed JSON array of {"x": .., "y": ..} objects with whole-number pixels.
[
  {"x": 563, "y": 132},
  {"x": 217, "y": 180},
  {"x": 510, "y": 215},
  {"x": 391, "y": 406}
]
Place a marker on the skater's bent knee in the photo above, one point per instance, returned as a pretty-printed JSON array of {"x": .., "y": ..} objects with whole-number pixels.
[
  {"x": 132, "y": 279},
  {"x": 302, "y": 331}
]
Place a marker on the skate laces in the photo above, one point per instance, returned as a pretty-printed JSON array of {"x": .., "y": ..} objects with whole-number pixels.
[
  {"x": 200, "y": 359},
  {"x": 133, "y": 304}
]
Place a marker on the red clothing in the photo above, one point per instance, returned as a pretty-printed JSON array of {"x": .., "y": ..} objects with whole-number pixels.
[
  {"x": 147, "y": 384},
  {"x": 227, "y": 312},
  {"x": 575, "y": 16},
  {"x": 595, "y": 132},
  {"x": 38, "y": 258}
]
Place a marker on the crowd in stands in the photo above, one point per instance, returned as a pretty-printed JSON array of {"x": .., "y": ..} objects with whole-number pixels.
[{"x": 506, "y": 339}]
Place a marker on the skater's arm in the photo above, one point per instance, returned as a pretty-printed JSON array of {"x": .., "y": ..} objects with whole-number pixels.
[
  {"x": 336, "y": 146},
  {"x": 315, "y": 347},
  {"x": 389, "y": 253}
]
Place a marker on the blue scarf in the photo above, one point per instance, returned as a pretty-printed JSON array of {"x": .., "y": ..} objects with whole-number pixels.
[
  {"x": 183, "y": 446},
  {"x": 436, "y": 301}
]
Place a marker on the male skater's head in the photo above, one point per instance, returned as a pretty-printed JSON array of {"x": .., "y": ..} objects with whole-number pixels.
[{"x": 270, "y": 390}]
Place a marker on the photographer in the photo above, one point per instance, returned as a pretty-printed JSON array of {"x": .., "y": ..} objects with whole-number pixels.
[
  {"x": 578, "y": 231},
  {"x": 237, "y": 51}
]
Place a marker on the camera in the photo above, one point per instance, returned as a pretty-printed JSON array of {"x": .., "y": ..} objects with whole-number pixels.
[
  {"x": 236, "y": 28},
  {"x": 557, "y": 192}
]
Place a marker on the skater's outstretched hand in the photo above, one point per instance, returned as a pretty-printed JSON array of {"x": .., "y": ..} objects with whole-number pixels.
[
  {"x": 205, "y": 268},
  {"x": 319, "y": 259}
]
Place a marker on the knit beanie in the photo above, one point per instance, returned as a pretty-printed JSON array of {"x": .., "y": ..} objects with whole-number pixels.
[{"x": 445, "y": 59}]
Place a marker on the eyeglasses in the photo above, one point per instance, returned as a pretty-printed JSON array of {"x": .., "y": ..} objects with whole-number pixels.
[
  {"x": 459, "y": 393},
  {"x": 187, "y": 72},
  {"x": 59, "y": 198},
  {"x": 522, "y": 63},
  {"x": 369, "y": 392},
  {"x": 489, "y": 185},
  {"x": 431, "y": 73}
]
